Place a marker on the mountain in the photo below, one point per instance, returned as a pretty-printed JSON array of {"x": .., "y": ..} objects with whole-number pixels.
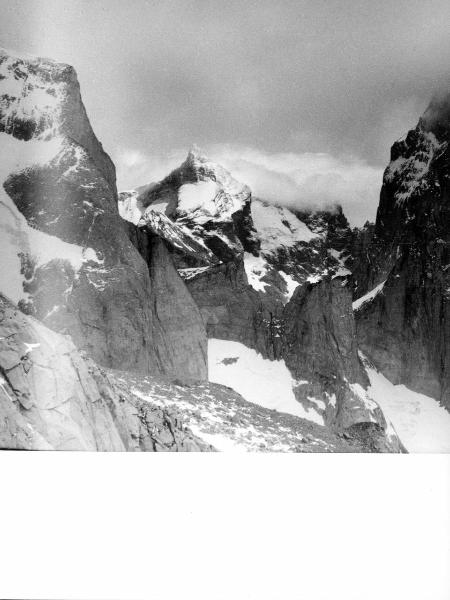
[
  {"x": 189, "y": 315},
  {"x": 68, "y": 256},
  {"x": 102, "y": 345},
  {"x": 274, "y": 290},
  {"x": 403, "y": 310}
]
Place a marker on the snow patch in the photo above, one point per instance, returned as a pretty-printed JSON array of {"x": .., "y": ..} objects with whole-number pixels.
[
  {"x": 259, "y": 380},
  {"x": 198, "y": 196},
  {"x": 369, "y": 296},
  {"x": 189, "y": 273},
  {"x": 342, "y": 272},
  {"x": 129, "y": 208},
  {"x": 292, "y": 285},
  {"x": 315, "y": 278},
  {"x": 255, "y": 269}
]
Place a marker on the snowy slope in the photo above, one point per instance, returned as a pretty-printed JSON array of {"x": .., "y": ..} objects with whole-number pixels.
[
  {"x": 255, "y": 268},
  {"x": 259, "y": 380},
  {"x": 420, "y": 422},
  {"x": 277, "y": 226},
  {"x": 214, "y": 194}
]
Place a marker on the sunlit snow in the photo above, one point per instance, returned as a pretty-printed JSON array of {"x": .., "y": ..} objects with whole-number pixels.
[
  {"x": 259, "y": 380},
  {"x": 278, "y": 226},
  {"x": 255, "y": 269},
  {"x": 198, "y": 196},
  {"x": 291, "y": 284},
  {"x": 369, "y": 296}
]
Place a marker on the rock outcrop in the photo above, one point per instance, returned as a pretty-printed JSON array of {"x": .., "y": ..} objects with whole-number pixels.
[
  {"x": 54, "y": 398},
  {"x": 234, "y": 310},
  {"x": 320, "y": 349}
]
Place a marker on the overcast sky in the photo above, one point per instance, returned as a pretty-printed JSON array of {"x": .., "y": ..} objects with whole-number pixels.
[{"x": 303, "y": 97}]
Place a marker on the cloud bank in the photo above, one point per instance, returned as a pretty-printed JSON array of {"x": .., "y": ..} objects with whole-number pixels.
[{"x": 298, "y": 180}]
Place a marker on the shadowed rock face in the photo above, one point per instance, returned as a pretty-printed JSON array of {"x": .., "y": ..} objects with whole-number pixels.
[
  {"x": 320, "y": 349},
  {"x": 233, "y": 310},
  {"x": 320, "y": 334},
  {"x": 183, "y": 334},
  {"x": 405, "y": 330}
]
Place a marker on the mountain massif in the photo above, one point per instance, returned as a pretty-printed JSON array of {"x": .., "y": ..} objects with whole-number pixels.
[{"x": 189, "y": 315}]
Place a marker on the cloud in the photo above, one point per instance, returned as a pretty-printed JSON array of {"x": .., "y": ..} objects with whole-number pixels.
[
  {"x": 135, "y": 168},
  {"x": 299, "y": 180}
]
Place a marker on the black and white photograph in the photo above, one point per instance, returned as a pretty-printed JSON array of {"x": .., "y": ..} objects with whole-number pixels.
[{"x": 225, "y": 229}]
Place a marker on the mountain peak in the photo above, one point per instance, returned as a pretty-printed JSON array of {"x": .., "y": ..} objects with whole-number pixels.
[
  {"x": 436, "y": 117},
  {"x": 196, "y": 154}
]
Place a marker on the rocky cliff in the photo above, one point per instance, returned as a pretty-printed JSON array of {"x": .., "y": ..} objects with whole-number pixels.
[
  {"x": 54, "y": 398},
  {"x": 404, "y": 321}
]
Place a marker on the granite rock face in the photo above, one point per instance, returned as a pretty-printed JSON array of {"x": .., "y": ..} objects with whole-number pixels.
[
  {"x": 320, "y": 333},
  {"x": 405, "y": 328},
  {"x": 233, "y": 310},
  {"x": 54, "y": 398},
  {"x": 183, "y": 334},
  {"x": 320, "y": 349}
]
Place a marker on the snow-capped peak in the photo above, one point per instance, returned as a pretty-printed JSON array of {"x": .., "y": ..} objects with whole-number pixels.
[{"x": 32, "y": 95}]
